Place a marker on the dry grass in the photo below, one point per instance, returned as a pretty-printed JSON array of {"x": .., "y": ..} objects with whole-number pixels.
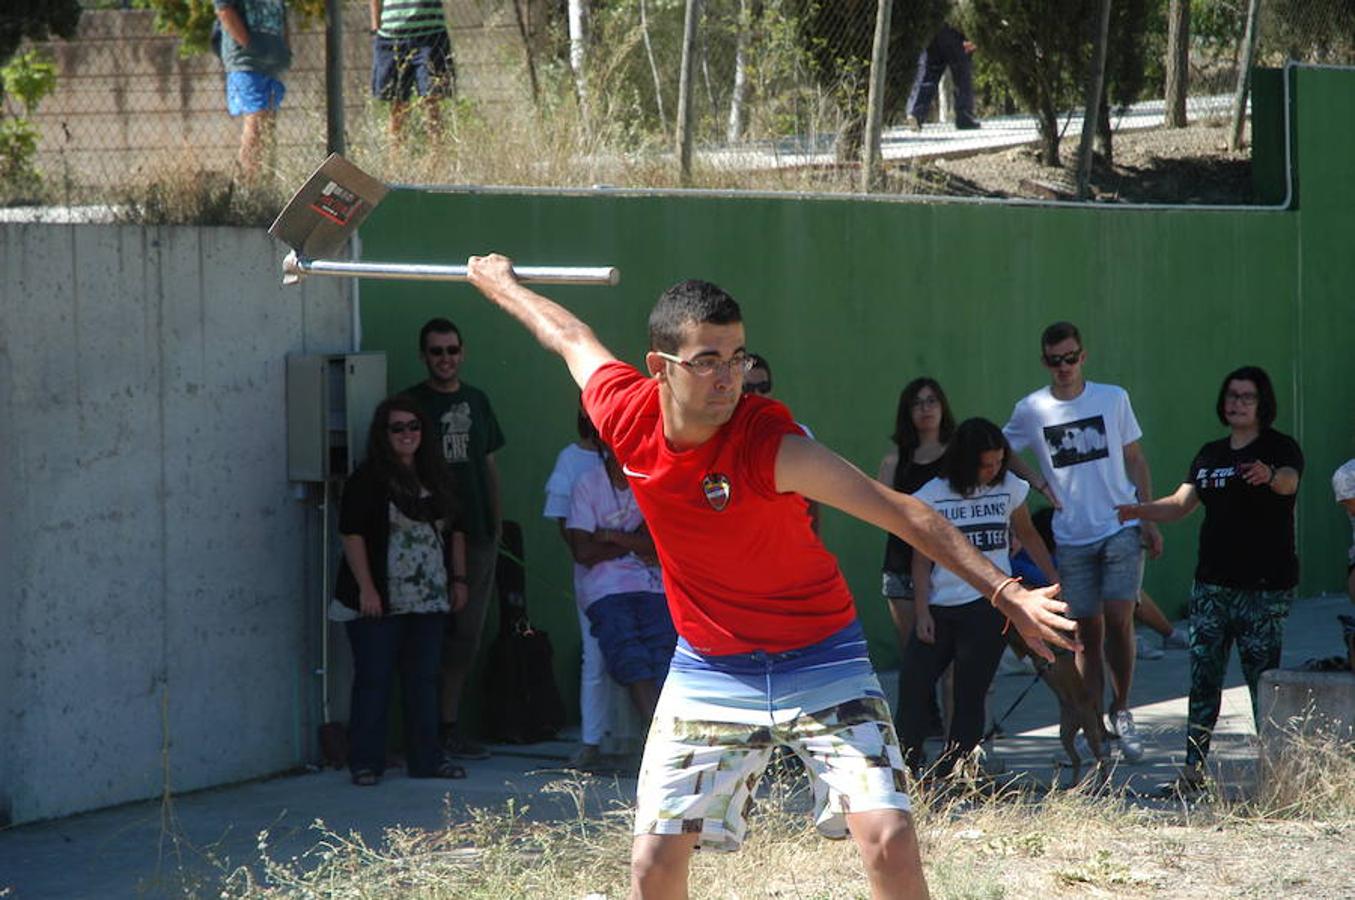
[{"x": 1294, "y": 837}]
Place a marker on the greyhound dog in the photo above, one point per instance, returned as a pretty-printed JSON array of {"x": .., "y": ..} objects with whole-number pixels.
[{"x": 1078, "y": 709}]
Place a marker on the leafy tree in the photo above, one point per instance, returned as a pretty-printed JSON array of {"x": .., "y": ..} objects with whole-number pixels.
[
  {"x": 191, "y": 20},
  {"x": 36, "y": 20},
  {"x": 1041, "y": 46},
  {"x": 838, "y": 36},
  {"x": 28, "y": 77}
]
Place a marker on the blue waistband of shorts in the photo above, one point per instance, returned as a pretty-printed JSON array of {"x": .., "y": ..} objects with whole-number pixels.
[{"x": 846, "y": 644}]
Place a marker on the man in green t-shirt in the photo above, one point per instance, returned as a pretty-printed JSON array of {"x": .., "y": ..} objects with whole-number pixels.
[{"x": 470, "y": 436}]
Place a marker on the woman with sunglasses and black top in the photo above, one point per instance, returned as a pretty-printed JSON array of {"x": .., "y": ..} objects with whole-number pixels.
[
  {"x": 923, "y": 426},
  {"x": 978, "y": 495},
  {"x": 402, "y": 572},
  {"x": 1248, "y": 565}
]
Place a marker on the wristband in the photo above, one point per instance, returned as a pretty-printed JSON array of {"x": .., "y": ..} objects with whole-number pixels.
[
  {"x": 1273, "y": 471},
  {"x": 1012, "y": 579}
]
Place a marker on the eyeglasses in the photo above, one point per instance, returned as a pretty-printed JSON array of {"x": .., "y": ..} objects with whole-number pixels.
[
  {"x": 757, "y": 387},
  {"x": 443, "y": 351},
  {"x": 925, "y": 402},
  {"x": 1246, "y": 399},
  {"x": 414, "y": 425},
  {"x": 706, "y": 366},
  {"x": 1054, "y": 360}
]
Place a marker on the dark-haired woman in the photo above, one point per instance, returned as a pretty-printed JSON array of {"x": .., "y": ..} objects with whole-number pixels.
[
  {"x": 978, "y": 495},
  {"x": 403, "y": 570},
  {"x": 923, "y": 424},
  {"x": 1247, "y": 566}
]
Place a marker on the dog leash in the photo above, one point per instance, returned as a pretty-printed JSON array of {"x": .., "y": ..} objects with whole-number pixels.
[{"x": 1040, "y": 668}]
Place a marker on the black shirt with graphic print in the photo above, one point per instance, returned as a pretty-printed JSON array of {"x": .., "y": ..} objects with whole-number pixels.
[{"x": 1247, "y": 539}]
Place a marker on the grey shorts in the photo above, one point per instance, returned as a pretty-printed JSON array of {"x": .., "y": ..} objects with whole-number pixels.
[
  {"x": 896, "y": 585},
  {"x": 1109, "y": 569}
]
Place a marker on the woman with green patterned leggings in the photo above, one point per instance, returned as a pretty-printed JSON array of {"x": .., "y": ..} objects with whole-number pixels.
[{"x": 1247, "y": 566}]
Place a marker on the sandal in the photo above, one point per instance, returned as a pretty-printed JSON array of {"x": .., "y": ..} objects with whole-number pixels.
[
  {"x": 365, "y": 778},
  {"x": 448, "y": 769}
]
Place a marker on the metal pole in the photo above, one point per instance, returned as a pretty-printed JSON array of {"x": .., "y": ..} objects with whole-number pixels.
[
  {"x": 684, "y": 111},
  {"x": 334, "y": 130},
  {"x": 871, "y": 171},
  {"x": 296, "y": 267},
  {"x": 1244, "y": 75}
]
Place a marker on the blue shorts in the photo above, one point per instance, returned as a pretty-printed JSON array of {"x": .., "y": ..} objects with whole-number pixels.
[
  {"x": 248, "y": 93},
  {"x": 1108, "y": 569},
  {"x": 402, "y": 66},
  {"x": 720, "y": 718},
  {"x": 636, "y": 635}
]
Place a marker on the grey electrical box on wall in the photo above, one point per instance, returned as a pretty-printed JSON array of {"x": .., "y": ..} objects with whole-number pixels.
[{"x": 330, "y": 401}]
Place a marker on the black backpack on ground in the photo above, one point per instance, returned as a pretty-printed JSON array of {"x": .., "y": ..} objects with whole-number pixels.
[{"x": 524, "y": 704}]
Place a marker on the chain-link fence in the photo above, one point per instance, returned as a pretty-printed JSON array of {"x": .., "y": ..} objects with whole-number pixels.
[{"x": 580, "y": 92}]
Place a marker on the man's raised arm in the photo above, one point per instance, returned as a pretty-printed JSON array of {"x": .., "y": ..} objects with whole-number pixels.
[
  {"x": 814, "y": 471},
  {"x": 558, "y": 329}
]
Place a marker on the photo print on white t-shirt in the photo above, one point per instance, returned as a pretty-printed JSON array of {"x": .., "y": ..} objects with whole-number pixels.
[{"x": 1074, "y": 443}]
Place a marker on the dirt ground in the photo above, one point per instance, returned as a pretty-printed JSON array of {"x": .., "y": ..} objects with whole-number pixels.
[{"x": 1186, "y": 166}]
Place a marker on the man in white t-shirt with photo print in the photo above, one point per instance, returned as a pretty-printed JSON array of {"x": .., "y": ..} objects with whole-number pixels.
[{"x": 1086, "y": 439}]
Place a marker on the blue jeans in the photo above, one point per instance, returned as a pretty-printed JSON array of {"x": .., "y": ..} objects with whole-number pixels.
[
  {"x": 945, "y": 51},
  {"x": 413, "y": 644}
]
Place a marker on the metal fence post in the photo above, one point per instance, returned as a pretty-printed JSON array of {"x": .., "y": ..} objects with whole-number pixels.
[{"x": 334, "y": 129}]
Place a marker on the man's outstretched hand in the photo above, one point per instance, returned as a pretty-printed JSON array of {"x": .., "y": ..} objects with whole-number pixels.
[
  {"x": 1039, "y": 617},
  {"x": 490, "y": 273}
]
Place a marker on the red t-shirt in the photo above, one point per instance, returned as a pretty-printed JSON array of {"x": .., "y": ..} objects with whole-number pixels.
[{"x": 742, "y": 567}]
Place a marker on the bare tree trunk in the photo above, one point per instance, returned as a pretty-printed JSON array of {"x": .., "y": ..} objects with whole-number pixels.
[
  {"x": 738, "y": 97},
  {"x": 653, "y": 66},
  {"x": 705, "y": 73},
  {"x": 578, "y": 52},
  {"x": 1244, "y": 75},
  {"x": 685, "y": 90},
  {"x": 1178, "y": 63},
  {"x": 871, "y": 170},
  {"x": 1049, "y": 136},
  {"x": 525, "y": 33},
  {"x": 1096, "y": 81}
]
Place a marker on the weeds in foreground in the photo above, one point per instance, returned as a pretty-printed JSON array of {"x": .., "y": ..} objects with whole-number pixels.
[{"x": 977, "y": 842}]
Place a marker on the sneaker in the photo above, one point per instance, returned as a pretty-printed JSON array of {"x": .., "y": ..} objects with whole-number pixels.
[
  {"x": 458, "y": 746},
  {"x": 1131, "y": 745},
  {"x": 967, "y": 124},
  {"x": 1179, "y": 639},
  {"x": 1146, "y": 650},
  {"x": 1084, "y": 748},
  {"x": 586, "y": 758},
  {"x": 1190, "y": 783}
]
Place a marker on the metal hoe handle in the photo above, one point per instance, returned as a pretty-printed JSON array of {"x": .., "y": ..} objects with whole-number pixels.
[{"x": 296, "y": 267}]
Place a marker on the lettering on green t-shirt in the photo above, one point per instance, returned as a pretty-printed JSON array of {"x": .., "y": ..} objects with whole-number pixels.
[{"x": 467, "y": 431}]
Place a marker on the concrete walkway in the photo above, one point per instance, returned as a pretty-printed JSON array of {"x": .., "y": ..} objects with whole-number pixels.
[{"x": 156, "y": 849}]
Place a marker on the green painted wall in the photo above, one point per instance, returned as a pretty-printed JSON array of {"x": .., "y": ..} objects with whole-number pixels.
[{"x": 851, "y": 298}]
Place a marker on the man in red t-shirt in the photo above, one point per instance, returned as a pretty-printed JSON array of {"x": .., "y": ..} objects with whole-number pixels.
[{"x": 770, "y": 652}]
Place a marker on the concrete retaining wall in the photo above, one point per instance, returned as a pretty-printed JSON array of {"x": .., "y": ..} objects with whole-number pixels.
[{"x": 155, "y": 566}]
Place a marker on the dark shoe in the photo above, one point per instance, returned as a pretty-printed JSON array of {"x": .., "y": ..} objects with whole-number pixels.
[
  {"x": 448, "y": 769},
  {"x": 366, "y": 778},
  {"x": 457, "y": 746},
  {"x": 967, "y": 124}
]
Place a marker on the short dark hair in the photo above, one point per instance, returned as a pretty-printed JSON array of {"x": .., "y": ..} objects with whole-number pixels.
[
  {"x": 587, "y": 430},
  {"x": 1265, "y": 394},
  {"x": 1058, "y": 332},
  {"x": 437, "y": 325},
  {"x": 692, "y": 301},
  {"x": 760, "y": 362},
  {"x": 973, "y": 437},
  {"x": 905, "y": 435}
]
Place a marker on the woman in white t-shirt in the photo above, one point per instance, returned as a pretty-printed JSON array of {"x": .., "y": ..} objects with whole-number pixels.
[
  {"x": 584, "y": 455},
  {"x": 1343, "y": 483},
  {"x": 954, "y": 624}
]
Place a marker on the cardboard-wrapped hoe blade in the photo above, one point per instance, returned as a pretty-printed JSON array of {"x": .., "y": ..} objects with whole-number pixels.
[{"x": 319, "y": 218}]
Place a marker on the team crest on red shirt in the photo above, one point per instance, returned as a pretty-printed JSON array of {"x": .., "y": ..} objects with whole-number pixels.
[{"x": 716, "y": 488}]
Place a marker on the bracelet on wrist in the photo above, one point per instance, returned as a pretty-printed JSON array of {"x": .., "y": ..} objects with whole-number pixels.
[{"x": 1002, "y": 586}]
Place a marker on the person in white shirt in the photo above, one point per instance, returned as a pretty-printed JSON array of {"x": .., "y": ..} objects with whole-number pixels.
[
  {"x": 575, "y": 459},
  {"x": 1086, "y": 439},
  {"x": 977, "y": 494},
  {"x": 621, "y": 589},
  {"x": 1343, "y": 483}
]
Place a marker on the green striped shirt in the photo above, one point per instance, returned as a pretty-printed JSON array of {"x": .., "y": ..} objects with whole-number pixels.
[{"x": 410, "y": 18}]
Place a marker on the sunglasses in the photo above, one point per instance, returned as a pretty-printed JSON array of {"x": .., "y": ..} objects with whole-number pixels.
[
  {"x": 402, "y": 427},
  {"x": 443, "y": 351},
  {"x": 1054, "y": 360}
]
